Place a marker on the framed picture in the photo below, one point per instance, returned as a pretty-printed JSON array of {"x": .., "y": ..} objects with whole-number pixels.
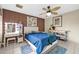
[
  {"x": 57, "y": 21},
  {"x": 31, "y": 21}
]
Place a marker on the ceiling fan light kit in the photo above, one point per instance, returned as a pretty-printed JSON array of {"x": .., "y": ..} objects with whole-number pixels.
[{"x": 48, "y": 14}]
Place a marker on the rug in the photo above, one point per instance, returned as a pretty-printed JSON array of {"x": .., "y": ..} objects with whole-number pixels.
[
  {"x": 58, "y": 50},
  {"x": 25, "y": 49}
]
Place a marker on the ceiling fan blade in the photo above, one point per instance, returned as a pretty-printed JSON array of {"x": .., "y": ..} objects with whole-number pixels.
[
  {"x": 56, "y": 8},
  {"x": 55, "y": 13},
  {"x": 43, "y": 13}
]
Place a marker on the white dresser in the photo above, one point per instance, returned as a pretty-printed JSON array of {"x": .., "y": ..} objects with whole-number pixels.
[{"x": 62, "y": 34}]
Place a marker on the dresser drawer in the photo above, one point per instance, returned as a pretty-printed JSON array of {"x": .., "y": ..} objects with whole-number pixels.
[{"x": 20, "y": 39}]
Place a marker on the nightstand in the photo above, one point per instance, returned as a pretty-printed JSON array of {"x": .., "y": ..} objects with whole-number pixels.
[{"x": 20, "y": 38}]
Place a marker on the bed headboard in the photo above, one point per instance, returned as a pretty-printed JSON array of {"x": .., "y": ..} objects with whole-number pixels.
[{"x": 30, "y": 29}]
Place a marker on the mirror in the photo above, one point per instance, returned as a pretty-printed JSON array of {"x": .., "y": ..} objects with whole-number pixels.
[{"x": 10, "y": 28}]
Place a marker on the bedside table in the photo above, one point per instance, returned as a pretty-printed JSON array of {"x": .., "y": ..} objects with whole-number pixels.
[{"x": 20, "y": 38}]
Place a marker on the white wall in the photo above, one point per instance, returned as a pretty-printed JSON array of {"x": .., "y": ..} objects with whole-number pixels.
[
  {"x": 48, "y": 22},
  {"x": 0, "y": 27},
  {"x": 70, "y": 21}
]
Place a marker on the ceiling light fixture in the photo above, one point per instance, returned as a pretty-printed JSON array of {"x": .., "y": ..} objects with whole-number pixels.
[
  {"x": 48, "y": 13},
  {"x": 19, "y": 6}
]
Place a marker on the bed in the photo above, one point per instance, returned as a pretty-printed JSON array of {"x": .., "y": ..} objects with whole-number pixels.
[{"x": 40, "y": 40}]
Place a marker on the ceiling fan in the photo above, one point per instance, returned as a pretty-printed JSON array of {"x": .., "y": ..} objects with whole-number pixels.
[{"x": 50, "y": 10}]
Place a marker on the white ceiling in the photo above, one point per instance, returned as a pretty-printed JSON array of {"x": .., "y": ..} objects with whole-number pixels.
[{"x": 36, "y": 9}]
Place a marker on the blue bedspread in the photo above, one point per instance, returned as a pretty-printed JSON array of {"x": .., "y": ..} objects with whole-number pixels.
[{"x": 40, "y": 40}]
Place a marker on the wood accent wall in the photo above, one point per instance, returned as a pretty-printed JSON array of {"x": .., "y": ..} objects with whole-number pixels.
[
  {"x": 11, "y": 16},
  {"x": 40, "y": 24}
]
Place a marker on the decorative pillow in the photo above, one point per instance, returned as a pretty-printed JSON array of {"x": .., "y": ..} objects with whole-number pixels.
[{"x": 51, "y": 33}]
